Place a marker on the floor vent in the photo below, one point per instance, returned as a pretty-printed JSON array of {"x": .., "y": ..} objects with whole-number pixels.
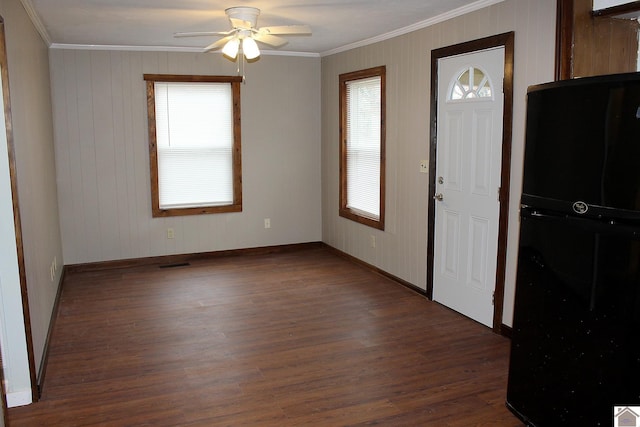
[{"x": 181, "y": 264}]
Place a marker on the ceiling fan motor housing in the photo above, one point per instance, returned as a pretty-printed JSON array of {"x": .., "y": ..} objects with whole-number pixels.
[{"x": 248, "y": 14}]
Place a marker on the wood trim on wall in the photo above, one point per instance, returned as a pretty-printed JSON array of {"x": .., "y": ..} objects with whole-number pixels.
[
  {"x": 3, "y": 67},
  {"x": 375, "y": 269},
  {"x": 234, "y": 82},
  {"x": 564, "y": 40},
  {"x": 505, "y": 180},
  {"x": 42, "y": 372},
  {"x": 507, "y": 41},
  {"x": 171, "y": 260},
  {"x": 592, "y": 43},
  {"x": 16, "y": 214},
  {"x": 626, "y": 10},
  {"x": 345, "y": 211}
]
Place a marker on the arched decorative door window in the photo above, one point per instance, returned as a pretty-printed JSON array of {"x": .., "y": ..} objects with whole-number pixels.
[{"x": 471, "y": 83}]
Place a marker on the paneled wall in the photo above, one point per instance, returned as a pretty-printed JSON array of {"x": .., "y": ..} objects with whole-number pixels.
[
  {"x": 602, "y": 45},
  {"x": 102, "y": 156},
  {"x": 402, "y": 248}
]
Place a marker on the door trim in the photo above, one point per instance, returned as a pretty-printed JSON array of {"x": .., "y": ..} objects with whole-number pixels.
[{"x": 505, "y": 40}]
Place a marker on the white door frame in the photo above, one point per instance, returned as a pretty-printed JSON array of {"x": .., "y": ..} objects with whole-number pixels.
[
  {"x": 19, "y": 385},
  {"x": 505, "y": 40}
]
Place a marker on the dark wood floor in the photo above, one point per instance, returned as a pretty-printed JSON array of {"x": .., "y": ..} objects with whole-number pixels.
[{"x": 296, "y": 338}]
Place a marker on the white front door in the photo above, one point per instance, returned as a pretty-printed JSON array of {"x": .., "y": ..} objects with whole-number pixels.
[{"x": 468, "y": 170}]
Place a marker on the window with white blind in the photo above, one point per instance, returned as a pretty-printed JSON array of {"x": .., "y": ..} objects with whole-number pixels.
[
  {"x": 362, "y": 146},
  {"x": 194, "y": 144}
]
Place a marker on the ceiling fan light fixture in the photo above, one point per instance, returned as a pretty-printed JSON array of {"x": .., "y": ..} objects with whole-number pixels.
[
  {"x": 250, "y": 48},
  {"x": 244, "y": 34},
  {"x": 231, "y": 48}
]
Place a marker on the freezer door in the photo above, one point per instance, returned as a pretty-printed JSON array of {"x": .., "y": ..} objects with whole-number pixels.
[
  {"x": 583, "y": 143},
  {"x": 575, "y": 349}
]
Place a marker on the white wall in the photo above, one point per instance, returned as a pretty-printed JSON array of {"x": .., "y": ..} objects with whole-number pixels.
[
  {"x": 36, "y": 176},
  {"x": 402, "y": 248},
  {"x": 13, "y": 339},
  {"x": 101, "y": 141}
]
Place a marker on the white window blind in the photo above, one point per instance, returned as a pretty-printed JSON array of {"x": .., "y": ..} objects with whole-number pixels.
[
  {"x": 363, "y": 145},
  {"x": 194, "y": 136}
]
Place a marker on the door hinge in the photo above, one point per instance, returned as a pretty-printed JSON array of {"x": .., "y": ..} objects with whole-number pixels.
[
  {"x": 493, "y": 299},
  {"x": 499, "y": 193}
]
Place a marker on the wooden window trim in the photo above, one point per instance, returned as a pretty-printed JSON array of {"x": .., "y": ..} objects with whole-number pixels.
[
  {"x": 345, "y": 212},
  {"x": 236, "y": 206}
]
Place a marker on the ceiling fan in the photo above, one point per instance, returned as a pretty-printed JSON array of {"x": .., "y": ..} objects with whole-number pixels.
[{"x": 244, "y": 33}]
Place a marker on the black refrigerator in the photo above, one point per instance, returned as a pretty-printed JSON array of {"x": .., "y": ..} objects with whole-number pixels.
[{"x": 575, "y": 350}]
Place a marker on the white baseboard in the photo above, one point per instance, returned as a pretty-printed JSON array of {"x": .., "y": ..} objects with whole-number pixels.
[{"x": 19, "y": 398}]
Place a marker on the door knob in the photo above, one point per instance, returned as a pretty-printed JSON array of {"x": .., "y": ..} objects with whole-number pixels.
[{"x": 438, "y": 197}]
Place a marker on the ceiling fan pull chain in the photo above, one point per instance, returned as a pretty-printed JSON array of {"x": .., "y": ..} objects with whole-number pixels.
[{"x": 244, "y": 80}]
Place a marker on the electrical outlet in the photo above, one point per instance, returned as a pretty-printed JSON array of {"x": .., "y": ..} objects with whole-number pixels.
[
  {"x": 52, "y": 272},
  {"x": 267, "y": 223},
  {"x": 170, "y": 234},
  {"x": 372, "y": 241},
  {"x": 424, "y": 166}
]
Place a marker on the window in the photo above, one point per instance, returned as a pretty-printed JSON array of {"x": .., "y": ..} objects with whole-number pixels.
[
  {"x": 362, "y": 146},
  {"x": 472, "y": 83},
  {"x": 194, "y": 144}
]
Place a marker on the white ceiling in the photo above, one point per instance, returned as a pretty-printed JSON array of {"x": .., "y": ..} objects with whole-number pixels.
[{"x": 149, "y": 24}]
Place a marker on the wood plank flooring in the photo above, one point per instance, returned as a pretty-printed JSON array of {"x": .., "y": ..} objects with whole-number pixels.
[{"x": 286, "y": 339}]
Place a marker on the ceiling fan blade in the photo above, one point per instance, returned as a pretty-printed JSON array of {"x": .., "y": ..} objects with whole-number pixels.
[
  {"x": 286, "y": 29},
  {"x": 218, "y": 44},
  {"x": 202, "y": 33},
  {"x": 274, "y": 41}
]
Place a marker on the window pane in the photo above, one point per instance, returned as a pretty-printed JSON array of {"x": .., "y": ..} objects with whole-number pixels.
[
  {"x": 363, "y": 145},
  {"x": 470, "y": 84},
  {"x": 194, "y": 136},
  {"x": 189, "y": 178}
]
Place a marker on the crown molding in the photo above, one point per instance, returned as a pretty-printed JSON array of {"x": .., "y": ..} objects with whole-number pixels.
[
  {"x": 264, "y": 52},
  {"x": 480, "y": 4},
  {"x": 37, "y": 22},
  {"x": 124, "y": 47}
]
